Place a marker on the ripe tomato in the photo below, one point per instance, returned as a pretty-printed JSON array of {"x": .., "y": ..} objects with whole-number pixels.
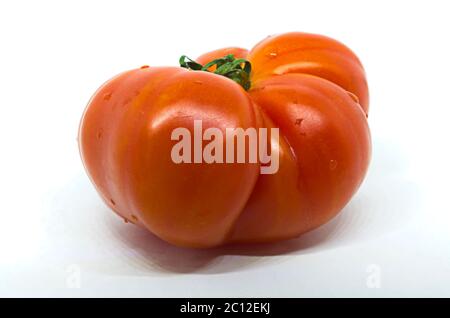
[{"x": 310, "y": 87}]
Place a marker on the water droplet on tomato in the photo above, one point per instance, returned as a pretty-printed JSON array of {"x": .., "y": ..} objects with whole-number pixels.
[
  {"x": 134, "y": 218},
  {"x": 112, "y": 201},
  {"x": 198, "y": 82},
  {"x": 333, "y": 164},
  {"x": 144, "y": 66},
  {"x": 298, "y": 121},
  {"x": 107, "y": 96},
  {"x": 354, "y": 97},
  {"x": 100, "y": 133},
  {"x": 271, "y": 52}
]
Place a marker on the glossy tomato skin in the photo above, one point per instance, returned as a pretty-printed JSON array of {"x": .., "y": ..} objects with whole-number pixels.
[
  {"x": 306, "y": 53},
  {"x": 324, "y": 156},
  {"x": 303, "y": 53},
  {"x": 311, "y": 87},
  {"x": 125, "y": 143},
  {"x": 314, "y": 89}
]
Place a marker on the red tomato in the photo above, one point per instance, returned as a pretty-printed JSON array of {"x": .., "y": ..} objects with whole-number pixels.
[{"x": 310, "y": 87}]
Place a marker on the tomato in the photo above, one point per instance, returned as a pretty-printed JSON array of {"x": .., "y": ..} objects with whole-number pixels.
[{"x": 312, "y": 88}]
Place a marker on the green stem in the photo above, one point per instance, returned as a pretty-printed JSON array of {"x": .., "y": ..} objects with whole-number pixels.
[{"x": 237, "y": 70}]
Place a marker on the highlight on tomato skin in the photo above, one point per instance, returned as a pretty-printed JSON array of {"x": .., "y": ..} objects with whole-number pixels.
[
  {"x": 324, "y": 157},
  {"x": 309, "y": 88},
  {"x": 305, "y": 53}
]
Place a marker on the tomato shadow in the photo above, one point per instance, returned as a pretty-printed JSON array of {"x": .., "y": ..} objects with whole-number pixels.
[
  {"x": 85, "y": 232},
  {"x": 386, "y": 202}
]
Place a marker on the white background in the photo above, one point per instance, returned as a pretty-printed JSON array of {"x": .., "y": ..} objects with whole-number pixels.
[{"x": 56, "y": 234}]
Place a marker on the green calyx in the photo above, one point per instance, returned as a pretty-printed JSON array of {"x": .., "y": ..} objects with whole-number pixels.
[{"x": 237, "y": 70}]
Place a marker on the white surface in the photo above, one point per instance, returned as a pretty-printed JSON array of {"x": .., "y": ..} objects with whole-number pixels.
[{"x": 56, "y": 234}]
